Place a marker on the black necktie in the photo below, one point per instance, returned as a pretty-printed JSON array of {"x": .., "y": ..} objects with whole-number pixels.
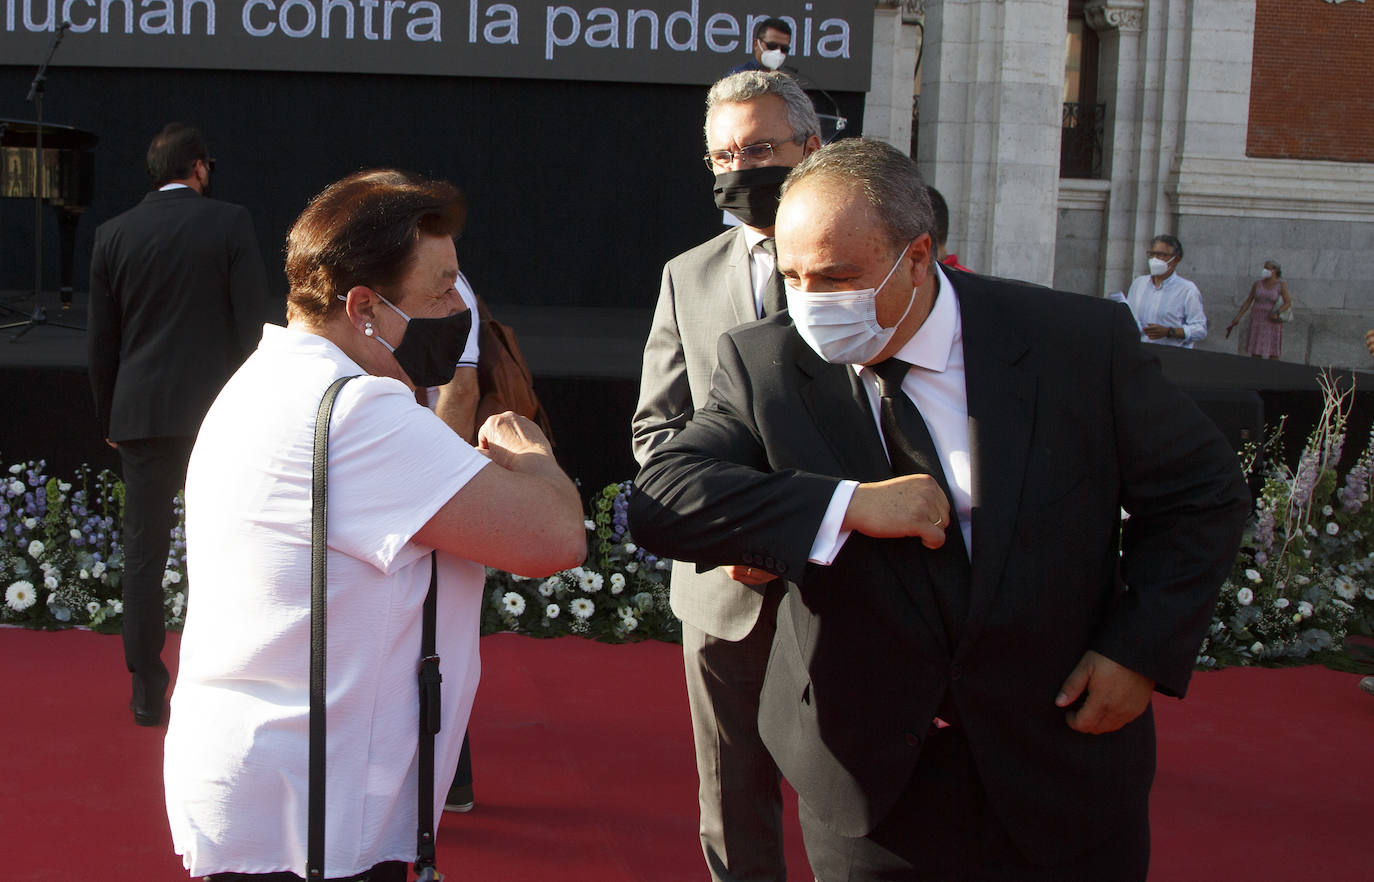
[
  {"x": 774, "y": 298},
  {"x": 911, "y": 451}
]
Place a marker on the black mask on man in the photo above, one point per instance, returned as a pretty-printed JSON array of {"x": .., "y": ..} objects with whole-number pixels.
[{"x": 751, "y": 194}]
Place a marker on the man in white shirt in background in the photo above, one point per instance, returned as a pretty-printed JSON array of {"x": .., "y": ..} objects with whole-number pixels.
[{"x": 1167, "y": 306}]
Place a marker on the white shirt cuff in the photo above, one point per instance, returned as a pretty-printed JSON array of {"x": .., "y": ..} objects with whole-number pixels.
[{"x": 830, "y": 538}]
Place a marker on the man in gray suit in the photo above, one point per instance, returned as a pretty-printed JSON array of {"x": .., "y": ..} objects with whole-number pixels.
[
  {"x": 178, "y": 299},
  {"x": 758, "y": 126}
]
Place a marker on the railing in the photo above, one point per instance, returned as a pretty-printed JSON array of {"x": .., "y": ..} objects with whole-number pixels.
[{"x": 1080, "y": 145}]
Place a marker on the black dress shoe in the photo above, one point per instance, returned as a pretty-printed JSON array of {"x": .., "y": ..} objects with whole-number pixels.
[{"x": 146, "y": 718}]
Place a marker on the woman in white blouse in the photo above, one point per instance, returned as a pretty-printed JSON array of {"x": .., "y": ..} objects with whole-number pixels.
[{"x": 371, "y": 266}]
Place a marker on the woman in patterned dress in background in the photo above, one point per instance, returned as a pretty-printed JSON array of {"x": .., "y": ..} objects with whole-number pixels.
[{"x": 1269, "y": 295}]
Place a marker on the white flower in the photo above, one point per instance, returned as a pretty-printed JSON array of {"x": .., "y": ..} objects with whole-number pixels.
[
  {"x": 629, "y": 622},
  {"x": 92, "y": 607},
  {"x": 1302, "y": 580},
  {"x": 617, "y": 583},
  {"x": 546, "y": 587},
  {"x": 1369, "y": 592},
  {"x": 1257, "y": 647},
  {"x": 582, "y": 607},
  {"x": 661, "y": 564},
  {"x": 514, "y": 603},
  {"x": 35, "y": 549},
  {"x": 20, "y": 596},
  {"x": 1327, "y": 510},
  {"x": 171, "y": 576},
  {"x": 632, "y": 567},
  {"x": 589, "y": 524},
  {"x": 1332, "y": 528},
  {"x": 50, "y": 581},
  {"x": 16, "y": 469},
  {"x": 1253, "y": 575},
  {"x": 16, "y": 488},
  {"x": 551, "y": 611},
  {"x": 30, "y": 523},
  {"x": 591, "y": 581},
  {"x": 85, "y": 573},
  {"x": 1310, "y": 530},
  {"x": 1281, "y": 603},
  {"x": 516, "y": 577},
  {"x": 117, "y": 606},
  {"x": 98, "y": 570},
  {"x": 63, "y": 486},
  {"x": 1345, "y": 587},
  {"x": 1245, "y": 596},
  {"x": 1304, "y": 608},
  {"x": 631, "y": 548},
  {"x": 75, "y": 534}
]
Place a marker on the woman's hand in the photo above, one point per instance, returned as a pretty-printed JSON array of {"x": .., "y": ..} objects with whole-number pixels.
[{"x": 505, "y": 437}]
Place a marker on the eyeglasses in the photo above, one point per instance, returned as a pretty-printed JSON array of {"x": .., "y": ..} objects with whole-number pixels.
[
  {"x": 1162, "y": 255},
  {"x": 784, "y": 48},
  {"x": 753, "y": 153}
]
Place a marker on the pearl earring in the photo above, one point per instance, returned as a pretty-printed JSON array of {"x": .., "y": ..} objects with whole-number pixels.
[{"x": 367, "y": 328}]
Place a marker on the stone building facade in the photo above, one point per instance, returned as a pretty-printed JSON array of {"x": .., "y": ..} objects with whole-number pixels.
[{"x": 1244, "y": 127}]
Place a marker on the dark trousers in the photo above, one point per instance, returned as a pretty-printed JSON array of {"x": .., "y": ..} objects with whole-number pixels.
[
  {"x": 154, "y": 470},
  {"x": 387, "y": 871},
  {"x": 942, "y": 829}
]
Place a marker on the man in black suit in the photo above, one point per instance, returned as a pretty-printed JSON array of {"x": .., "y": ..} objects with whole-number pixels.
[
  {"x": 178, "y": 298},
  {"x": 946, "y": 715}
]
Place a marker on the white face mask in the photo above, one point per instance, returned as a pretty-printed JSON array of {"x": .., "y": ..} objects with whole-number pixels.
[
  {"x": 842, "y": 326},
  {"x": 772, "y": 58},
  {"x": 1265, "y": 272},
  {"x": 1158, "y": 267}
]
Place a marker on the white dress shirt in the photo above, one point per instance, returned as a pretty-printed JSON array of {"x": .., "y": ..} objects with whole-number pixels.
[
  {"x": 1175, "y": 303},
  {"x": 761, "y": 266},
  {"x": 935, "y": 384}
]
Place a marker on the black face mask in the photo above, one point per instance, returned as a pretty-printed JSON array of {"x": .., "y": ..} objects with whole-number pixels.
[
  {"x": 430, "y": 347},
  {"x": 751, "y": 194}
]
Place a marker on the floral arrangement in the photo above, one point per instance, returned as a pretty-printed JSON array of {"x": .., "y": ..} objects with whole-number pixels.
[
  {"x": 620, "y": 594},
  {"x": 60, "y": 560},
  {"x": 1304, "y": 577}
]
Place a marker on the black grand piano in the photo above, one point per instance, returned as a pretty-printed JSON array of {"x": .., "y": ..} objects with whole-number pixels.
[{"x": 68, "y": 178}]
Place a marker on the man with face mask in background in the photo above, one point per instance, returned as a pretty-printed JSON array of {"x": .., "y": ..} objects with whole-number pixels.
[
  {"x": 772, "y": 43},
  {"x": 936, "y": 462},
  {"x": 758, "y": 126},
  {"x": 1167, "y": 306}
]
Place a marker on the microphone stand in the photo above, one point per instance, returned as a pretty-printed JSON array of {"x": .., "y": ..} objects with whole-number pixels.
[
  {"x": 810, "y": 85},
  {"x": 36, "y": 89}
]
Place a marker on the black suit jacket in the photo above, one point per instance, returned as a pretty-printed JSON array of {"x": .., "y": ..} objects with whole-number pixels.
[
  {"x": 1070, "y": 420},
  {"x": 178, "y": 298}
]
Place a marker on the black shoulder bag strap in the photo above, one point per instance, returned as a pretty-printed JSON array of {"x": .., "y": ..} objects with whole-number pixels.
[
  {"x": 319, "y": 504},
  {"x": 430, "y": 677}
]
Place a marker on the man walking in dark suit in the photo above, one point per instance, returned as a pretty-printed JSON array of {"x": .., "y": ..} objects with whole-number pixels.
[
  {"x": 758, "y": 125},
  {"x": 178, "y": 298},
  {"x": 945, "y": 714}
]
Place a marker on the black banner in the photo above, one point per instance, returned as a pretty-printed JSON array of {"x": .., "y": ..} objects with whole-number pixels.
[{"x": 656, "y": 41}]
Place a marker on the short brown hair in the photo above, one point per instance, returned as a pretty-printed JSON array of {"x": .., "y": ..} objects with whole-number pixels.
[
  {"x": 362, "y": 230},
  {"x": 173, "y": 153}
]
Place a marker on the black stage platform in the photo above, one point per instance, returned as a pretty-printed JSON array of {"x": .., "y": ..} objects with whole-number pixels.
[{"x": 587, "y": 363}]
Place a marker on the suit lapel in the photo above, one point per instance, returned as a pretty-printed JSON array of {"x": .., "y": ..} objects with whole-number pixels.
[
  {"x": 838, "y": 406},
  {"x": 1001, "y": 388},
  {"x": 739, "y": 283}
]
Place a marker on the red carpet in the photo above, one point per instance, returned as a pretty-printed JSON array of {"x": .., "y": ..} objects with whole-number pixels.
[{"x": 584, "y": 771}]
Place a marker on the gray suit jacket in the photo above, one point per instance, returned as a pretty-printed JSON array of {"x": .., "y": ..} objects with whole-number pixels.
[{"x": 706, "y": 291}]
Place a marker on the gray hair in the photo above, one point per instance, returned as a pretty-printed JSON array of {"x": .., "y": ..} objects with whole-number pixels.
[
  {"x": 751, "y": 84},
  {"x": 888, "y": 179}
]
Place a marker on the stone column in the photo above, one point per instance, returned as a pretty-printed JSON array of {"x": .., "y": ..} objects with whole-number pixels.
[
  {"x": 887, "y": 107},
  {"x": 991, "y": 105}
]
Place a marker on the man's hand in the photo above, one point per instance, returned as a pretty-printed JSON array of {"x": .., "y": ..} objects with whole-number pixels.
[
  {"x": 1369, "y": 341},
  {"x": 1155, "y": 332},
  {"x": 1116, "y": 694},
  {"x": 749, "y": 575},
  {"x": 910, "y": 505}
]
